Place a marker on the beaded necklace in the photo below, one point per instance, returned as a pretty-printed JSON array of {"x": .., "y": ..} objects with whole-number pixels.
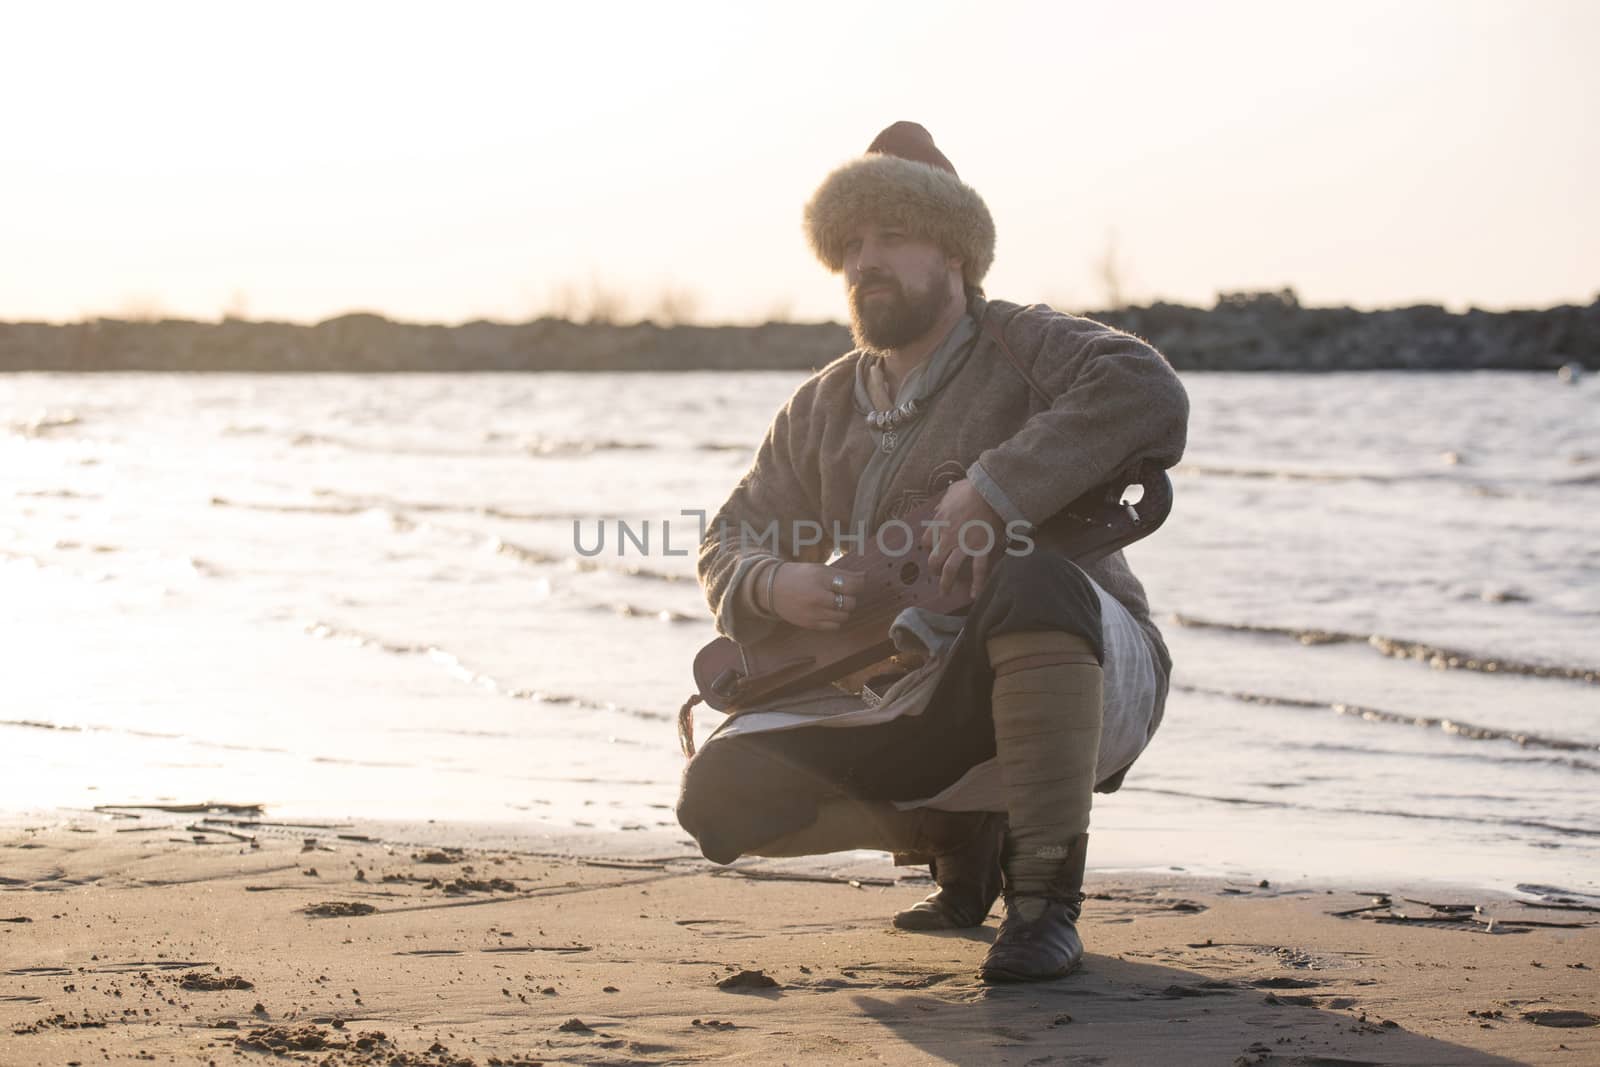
[
  {"x": 874, "y": 396},
  {"x": 890, "y": 421}
]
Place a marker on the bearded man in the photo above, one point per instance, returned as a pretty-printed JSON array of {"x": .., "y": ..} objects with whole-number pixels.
[{"x": 978, "y": 750}]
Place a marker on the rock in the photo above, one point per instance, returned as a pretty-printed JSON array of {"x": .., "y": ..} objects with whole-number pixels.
[
  {"x": 748, "y": 980},
  {"x": 334, "y": 909},
  {"x": 199, "y": 980},
  {"x": 1564, "y": 1019}
]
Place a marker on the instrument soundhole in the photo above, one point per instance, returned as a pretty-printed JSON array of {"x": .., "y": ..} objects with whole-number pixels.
[{"x": 909, "y": 573}]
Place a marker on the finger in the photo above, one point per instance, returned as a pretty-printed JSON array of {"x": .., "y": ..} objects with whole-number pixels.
[
  {"x": 829, "y": 601},
  {"x": 837, "y": 581},
  {"x": 949, "y": 572},
  {"x": 980, "y": 574},
  {"x": 831, "y": 610}
]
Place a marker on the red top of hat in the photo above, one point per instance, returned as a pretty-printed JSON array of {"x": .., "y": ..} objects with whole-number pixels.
[{"x": 910, "y": 141}]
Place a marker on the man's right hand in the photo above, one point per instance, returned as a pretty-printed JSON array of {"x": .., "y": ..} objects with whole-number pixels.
[{"x": 803, "y": 594}]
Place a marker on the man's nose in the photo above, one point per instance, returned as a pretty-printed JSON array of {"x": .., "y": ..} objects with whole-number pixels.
[{"x": 866, "y": 259}]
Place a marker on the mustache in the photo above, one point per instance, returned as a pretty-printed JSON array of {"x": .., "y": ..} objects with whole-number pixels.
[{"x": 869, "y": 281}]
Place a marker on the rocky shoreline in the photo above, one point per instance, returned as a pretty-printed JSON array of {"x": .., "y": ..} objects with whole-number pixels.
[{"x": 1244, "y": 331}]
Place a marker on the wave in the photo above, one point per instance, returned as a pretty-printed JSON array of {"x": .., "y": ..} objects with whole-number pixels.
[
  {"x": 288, "y": 509},
  {"x": 343, "y": 505},
  {"x": 1481, "y": 486},
  {"x": 509, "y": 549},
  {"x": 1292, "y": 475},
  {"x": 633, "y": 571},
  {"x": 34, "y": 724},
  {"x": 128, "y": 731},
  {"x": 542, "y": 447},
  {"x": 1496, "y": 757},
  {"x": 43, "y": 424},
  {"x": 633, "y": 611},
  {"x": 59, "y": 494},
  {"x": 78, "y": 546},
  {"x": 538, "y": 557},
  {"x": 356, "y": 503},
  {"x": 523, "y": 554},
  {"x": 1255, "y": 802},
  {"x": 1403, "y": 648},
  {"x": 1454, "y": 727},
  {"x": 31, "y": 562},
  {"x": 346, "y": 762},
  {"x": 461, "y": 671},
  {"x": 583, "y": 447}
]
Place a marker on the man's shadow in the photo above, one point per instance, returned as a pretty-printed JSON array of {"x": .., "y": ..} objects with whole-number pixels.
[{"x": 1114, "y": 1011}]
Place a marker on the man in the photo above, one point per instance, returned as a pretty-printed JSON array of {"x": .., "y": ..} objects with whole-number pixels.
[{"x": 978, "y": 750}]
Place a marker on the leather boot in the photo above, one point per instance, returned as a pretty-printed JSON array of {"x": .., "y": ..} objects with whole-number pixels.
[
  {"x": 968, "y": 876},
  {"x": 1048, "y": 707},
  {"x": 1038, "y": 938}
]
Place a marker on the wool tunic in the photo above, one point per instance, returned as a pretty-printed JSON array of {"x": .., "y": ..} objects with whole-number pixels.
[{"x": 1115, "y": 403}]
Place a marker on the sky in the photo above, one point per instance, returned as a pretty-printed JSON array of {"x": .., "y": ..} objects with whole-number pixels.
[{"x": 452, "y": 162}]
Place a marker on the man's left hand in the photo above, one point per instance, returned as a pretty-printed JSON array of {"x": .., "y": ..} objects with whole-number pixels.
[{"x": 962, "y": 507}]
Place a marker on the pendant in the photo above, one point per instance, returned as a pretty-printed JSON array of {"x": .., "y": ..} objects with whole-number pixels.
[{"x": 890, "y": 439}]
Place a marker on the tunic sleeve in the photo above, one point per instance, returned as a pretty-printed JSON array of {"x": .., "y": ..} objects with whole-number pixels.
[
  {"x": 769, "y": 517},
  {"x": 1116, "y": 402}
]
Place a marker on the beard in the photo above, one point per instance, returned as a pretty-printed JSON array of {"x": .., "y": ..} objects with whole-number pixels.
[{"x": 897, "y": 317}]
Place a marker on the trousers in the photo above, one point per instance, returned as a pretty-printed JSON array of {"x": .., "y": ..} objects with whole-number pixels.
[{"x": 743, "y": 790}]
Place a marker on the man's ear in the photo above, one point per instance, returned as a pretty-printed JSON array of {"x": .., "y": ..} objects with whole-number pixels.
[{"x": 959, "y": 266}]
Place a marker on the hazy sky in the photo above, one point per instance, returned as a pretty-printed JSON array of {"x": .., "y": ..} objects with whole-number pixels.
[{"x": 455, "y": 161}]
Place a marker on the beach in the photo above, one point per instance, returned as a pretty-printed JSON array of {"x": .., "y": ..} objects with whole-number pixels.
[
  {"x": 472, "y": 598},
  {"x": 390, "y": 398},
  {"x": 350, "y": 623},
  {"x": 187, "y": 937}
]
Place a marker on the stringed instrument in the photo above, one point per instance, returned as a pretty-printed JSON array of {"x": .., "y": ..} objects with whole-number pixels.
[{"x": 731, "y": 676}]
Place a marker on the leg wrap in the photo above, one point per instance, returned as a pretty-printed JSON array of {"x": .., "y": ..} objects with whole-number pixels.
[{"x": 1047, "y": 714}]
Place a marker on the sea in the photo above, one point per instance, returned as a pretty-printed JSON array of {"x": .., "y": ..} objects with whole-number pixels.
[{"x": 380, "y": 597}]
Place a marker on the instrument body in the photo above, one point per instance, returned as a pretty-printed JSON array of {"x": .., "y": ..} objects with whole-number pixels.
[{"x": 731, "y": 676}]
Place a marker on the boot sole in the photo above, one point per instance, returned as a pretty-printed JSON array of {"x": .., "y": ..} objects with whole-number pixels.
[
  {"x": 999, "y": 976},
  {"x": 925, "y": 922}
]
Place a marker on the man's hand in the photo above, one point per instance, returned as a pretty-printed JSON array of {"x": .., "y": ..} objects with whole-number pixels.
[
  {"x": 962, "y": 508},
  {"x": 805, "y": 594}
]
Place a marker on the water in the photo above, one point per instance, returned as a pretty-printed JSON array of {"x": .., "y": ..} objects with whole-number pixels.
[{"x": 359, "y": 596}]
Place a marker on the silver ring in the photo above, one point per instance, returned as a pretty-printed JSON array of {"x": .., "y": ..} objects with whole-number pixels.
[
  {"x": 838, "y": 583},
  {"x": 838, "y": 601}
]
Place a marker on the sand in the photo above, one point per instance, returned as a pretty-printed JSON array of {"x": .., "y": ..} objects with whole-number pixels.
[{"x": 138, "y": 939}]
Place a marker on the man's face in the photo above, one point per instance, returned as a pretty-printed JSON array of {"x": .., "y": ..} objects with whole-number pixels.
[{"x": 898, "y": 285}]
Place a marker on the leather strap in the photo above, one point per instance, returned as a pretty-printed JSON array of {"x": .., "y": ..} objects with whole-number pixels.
[
  {"x": 686, "y": 724},
  {"x": 999, "y": 338}
]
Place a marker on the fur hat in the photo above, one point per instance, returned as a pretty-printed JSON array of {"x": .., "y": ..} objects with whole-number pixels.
[{"x": 903, "y": 179}]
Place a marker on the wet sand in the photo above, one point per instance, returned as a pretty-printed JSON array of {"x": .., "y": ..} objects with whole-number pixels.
[{"x": 175, "y": 936}]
